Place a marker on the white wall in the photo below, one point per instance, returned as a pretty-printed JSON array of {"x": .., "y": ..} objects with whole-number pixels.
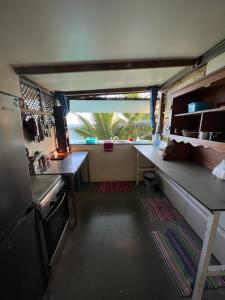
[
  {"x": 216, "y": 64},
  {"x": 9, "y": 81},
  {"x": 119, "y": 165}
]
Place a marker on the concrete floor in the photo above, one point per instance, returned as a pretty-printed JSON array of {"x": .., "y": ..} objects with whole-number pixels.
[{"x": 110, "y": 254}]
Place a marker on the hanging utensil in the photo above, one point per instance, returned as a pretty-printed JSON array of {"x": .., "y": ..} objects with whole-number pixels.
[
  {"x": 31, "y": 124},
  {"x": 40, "y": 130}
]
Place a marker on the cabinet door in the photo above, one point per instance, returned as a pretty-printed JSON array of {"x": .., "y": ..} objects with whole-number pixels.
[
  {"x": 22, "y": 272},
  {"x": 196, "y": 218},
  {"x": 222, "y": 221},
  {"x": 172, "y": 192}
]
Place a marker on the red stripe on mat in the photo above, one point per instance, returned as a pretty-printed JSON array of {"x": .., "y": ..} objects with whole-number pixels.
[
  {"x": 159, "y": 209},
  {"x": 116, "y": 186}
]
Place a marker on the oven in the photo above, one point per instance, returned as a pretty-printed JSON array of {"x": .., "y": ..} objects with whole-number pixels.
[{"x": 54, "y": 221}]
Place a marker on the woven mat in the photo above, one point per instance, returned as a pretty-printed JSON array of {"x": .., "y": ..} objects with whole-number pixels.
[
  {"x": 180, "y": 250},
  {"x": 117, "y": 186},
  {"x": 159, "y": 209}
]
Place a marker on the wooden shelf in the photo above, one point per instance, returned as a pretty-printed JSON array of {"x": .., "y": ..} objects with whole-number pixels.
[
  {"x": 34, "y": 112},
  {"x": 220, "y": 147},
  {"x": 213, "y": 110},
  {"x": 146, "y": 169}
]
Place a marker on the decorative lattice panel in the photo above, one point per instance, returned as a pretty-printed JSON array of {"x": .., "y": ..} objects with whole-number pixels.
[
  {"x": 36, "y": 99},
  {"x": 31, "y": 96},
  {"x": 47, "y": 103}
]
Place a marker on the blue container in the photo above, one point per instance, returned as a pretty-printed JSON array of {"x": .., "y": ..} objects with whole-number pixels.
[
  {"x": 91, "y": 140},
  {"x": 196, "y": 106}
]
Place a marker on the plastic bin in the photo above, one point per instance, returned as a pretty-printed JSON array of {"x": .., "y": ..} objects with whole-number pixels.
[
  {"x": 91, "y": 140},
  {"x": 196, "y": 106},
  {"x": 149, "y": 180}
]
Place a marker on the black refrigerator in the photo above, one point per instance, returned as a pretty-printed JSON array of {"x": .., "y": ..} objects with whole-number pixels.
[{"x": 21, "y": 264}]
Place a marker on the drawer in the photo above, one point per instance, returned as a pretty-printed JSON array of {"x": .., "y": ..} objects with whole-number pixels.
[
  {"x": 218, "y": 249},
  {"x": 196, "y": 218},
  {"x": 194, "y": 213},
  {"x": 203, "y": 209},
  {"x": 222, "y": 221}
]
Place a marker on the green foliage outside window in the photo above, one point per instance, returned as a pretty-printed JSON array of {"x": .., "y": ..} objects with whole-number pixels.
[{"x": 105, "y": 126}]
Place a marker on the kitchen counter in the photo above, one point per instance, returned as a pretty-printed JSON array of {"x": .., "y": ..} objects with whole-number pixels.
[
  {"x": 193, "y": 178},
  {"x": 68, "y": 166},
  {"x": 41, "y": 185}
]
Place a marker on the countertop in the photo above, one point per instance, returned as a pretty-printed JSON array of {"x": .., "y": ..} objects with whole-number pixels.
[
  {"x": 41, "y": 185},
  {"x": 196, "y": 180},
  {"x": 67, "y": 166},
  {"x": 120, "y": 142}
]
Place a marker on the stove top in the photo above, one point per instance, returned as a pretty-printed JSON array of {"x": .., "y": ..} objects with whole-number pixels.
[{"x": 41, "y": 185}]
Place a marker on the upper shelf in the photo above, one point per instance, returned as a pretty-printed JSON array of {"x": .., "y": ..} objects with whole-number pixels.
[
  {"x": 34, "y": 112},
  {"x": 213, "y": 110}
]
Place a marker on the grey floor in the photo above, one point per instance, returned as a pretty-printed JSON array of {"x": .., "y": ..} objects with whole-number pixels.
[{"x": 110, "y": 254}]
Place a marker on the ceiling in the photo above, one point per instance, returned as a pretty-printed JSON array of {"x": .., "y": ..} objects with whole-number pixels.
[
  {"x": 55, "y": 31},
  {"x": 104, "y": 79}
]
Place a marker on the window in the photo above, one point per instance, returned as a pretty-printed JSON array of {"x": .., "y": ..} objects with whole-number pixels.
[{"x": 109, "y": 118}]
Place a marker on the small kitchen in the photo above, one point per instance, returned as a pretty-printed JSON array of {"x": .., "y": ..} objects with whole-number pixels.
[
  {"x": 133, "y": 209},
  {"x": 39, "y": 210}
]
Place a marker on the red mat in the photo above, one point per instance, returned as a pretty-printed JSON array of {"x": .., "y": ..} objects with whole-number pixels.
[{"x": 117, "y": 186}]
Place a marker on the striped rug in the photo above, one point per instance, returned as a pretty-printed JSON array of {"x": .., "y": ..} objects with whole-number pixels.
[
  {"x": 180, "y": 250},
  {"x": 117, "y": 186},
  {"x": 159, "y": 209}
]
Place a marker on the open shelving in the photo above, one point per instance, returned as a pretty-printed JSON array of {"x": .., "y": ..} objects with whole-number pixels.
[
  {"x": 199, "y": 112},
  {"x": 210, "y": 89},
  {"x": 34, "y": 112}
]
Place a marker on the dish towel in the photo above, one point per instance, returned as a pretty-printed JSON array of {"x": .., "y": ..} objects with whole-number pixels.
[{"x": 108, "y": 146}]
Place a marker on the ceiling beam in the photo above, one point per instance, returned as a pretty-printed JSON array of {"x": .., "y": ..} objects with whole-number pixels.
[
  {"x": 104, "y": 65},
  {"x": 98, "y": 92}
]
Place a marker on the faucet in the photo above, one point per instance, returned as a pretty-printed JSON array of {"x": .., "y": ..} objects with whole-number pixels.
[{"x": 115, "y": 138}]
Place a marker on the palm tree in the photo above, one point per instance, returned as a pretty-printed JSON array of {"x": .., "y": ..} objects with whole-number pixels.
[
  {"x": 108, "y": 125},
  {"x": 136, "y": 125}
]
